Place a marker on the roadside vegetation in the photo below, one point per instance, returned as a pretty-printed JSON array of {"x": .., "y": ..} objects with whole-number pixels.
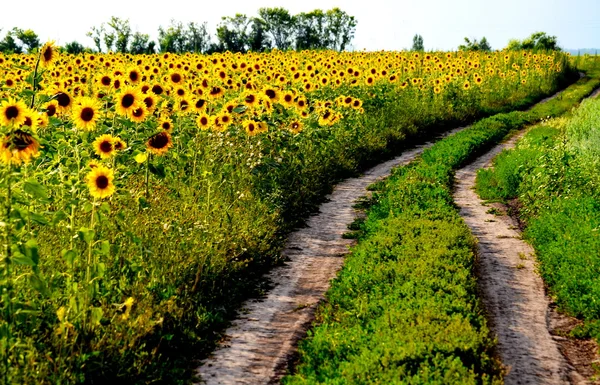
[
  {"x": 404, "y": 308},
  {"x": 551, "y": 180}
]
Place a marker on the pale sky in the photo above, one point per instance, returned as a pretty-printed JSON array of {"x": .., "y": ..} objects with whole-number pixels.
[{"x": 382, "y": 24}]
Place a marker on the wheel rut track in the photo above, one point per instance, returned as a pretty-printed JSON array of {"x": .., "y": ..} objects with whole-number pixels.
[
  {"x": 262, "y": 340},
  {"x": 512, "y": 291}
]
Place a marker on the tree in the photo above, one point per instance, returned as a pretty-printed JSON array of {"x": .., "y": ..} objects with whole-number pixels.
[
  {"x": 258, "y": 40},
  {"x": 74, "y": 48},
  {"x": 418, "y": 43},
  {"x": 232, "y": 33},
  {"x": 537, "y": 41},
  {"x": 340, "y": 28},
  {"x": 9, "y": 44},
  {"x": 141, "y": 44},
  {"x": 172, "y": 39},
  {"x": 121, "y": 33},
  {"x": 475, "y": 45},
  {"x": 198, "y": 38},
  {"x": 311, "y": 30},
  {"x": 278, "y": 24},
  {"x": 28, "y": 38}
]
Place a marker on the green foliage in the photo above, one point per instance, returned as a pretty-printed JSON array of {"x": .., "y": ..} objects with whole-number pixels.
[
  {"x": 537, "y": 41},
  {"x": 404, "y": 308},
  {"x": 279, "y": 25},
  {"x": 475, "y": 45},
  {"x": 418, "y": 43}
]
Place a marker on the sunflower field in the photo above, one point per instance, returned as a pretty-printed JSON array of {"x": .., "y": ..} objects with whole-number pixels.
[{"x": 142, "y": 195}]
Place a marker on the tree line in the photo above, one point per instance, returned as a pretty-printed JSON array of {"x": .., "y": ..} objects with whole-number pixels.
[
  {"x": 272, "y": 28},
  {"x": 537, "y": 41}
]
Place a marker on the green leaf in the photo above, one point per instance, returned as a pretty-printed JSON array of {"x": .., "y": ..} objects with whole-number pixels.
[
  {"x": 32, "y": 251},
  {"x": 159, "y": 171},
  {"x": 87, "y": 207},
  {"x": 58, "y": 217},
  {"x": 96, "y": 315},
  {"x": 100, "y": 270},
  {"x": 38, "y": 218},
  {"x": 36, "y": 190},
  {"x": 104, "y": 248},
  {"x": 38, "y": 284},
  {"x": 21, "y": 259},
  {"x": 240, "y": 109},
  {"x": 86, "y": 234},
  {"x": 69, "y": 256}
]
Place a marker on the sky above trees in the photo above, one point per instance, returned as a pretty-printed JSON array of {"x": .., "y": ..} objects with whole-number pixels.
[{"x": 388, "y": 25}]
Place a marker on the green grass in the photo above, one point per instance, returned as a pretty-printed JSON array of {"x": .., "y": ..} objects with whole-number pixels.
[{"x": 405, "y": 308}]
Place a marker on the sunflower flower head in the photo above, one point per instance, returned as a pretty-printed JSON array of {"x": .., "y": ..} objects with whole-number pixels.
[
  {"x": 159, "y": 143},
  {"x": 18, "y": 147},
  {"x": 100, "y": 182},
  {"x": 86, "y": 113},
  {"x": 12, "y": 112},
  {"x": 48, "y": 54}
]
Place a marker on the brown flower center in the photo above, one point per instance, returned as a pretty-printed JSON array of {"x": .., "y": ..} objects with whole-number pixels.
[
  {"x": 87, "y": 114},
  {"x": 102, "y": 182}
]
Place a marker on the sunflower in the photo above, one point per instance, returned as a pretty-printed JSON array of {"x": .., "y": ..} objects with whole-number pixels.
[
  {"x": 65, "y": 101},
  {"x": 203, "y": 121},
  {"x": 134, "y": 75},
  {"x": 200, "y": 105},
  {"x": 104, "y": 146},
  {"x": 51, "y": 108},
  {"x": 296, "y": 126},
  {"x": 100, "y": 182},
  {"x": 86, "y": 113},
  {"x": 287, "y": 99},
  {"x": 128, "y": 100},
  {"x": 252, "y": 128},
  {"x": 12, "y": 112},
  {"x": 357, "y": 104},
  {"x": 250, "y": 99},
  {"x": 165, "y": 123},
  {"x": 301, "y": 103},
  {"x": 18, "y": 147},
  {"x": 216, "y": 92},
  {"x": 159, "y": 143},
  {"x": 120, "y": 144},
  {"x": 104, "y": 80},
  {"x": 225, "y": 119},
  {"x": 150, "y": 102},
  {"x": 139, "y": 114},
  {"x": 48, "y": 54},
  {"x": 271, "y": 93},
  {"x": 466, "y": 85},
  {"x": 31, "y": 120}
]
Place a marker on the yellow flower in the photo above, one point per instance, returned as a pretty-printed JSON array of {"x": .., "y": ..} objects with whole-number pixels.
[
  {"x": 18, "y": 147},
  {"x": 100, "y": 182},
  {"x": 86, "y": 113},
  {"x": 104, "y": 146},
  {"x": 48, "y": 54},
  {"x": 160, "y": 143},
  {"x": 12, "y": 112},
  {"x": 128, "y": 100}
]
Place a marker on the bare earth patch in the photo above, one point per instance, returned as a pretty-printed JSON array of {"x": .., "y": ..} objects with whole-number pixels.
[{"x": 262, "y": 341}]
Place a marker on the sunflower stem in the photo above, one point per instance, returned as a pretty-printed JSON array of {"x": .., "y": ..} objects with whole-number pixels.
[
  {"x": 7, "y": 261},
  {"x": 35, "y": 71},
  {"x": 148, "y": 177}
]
